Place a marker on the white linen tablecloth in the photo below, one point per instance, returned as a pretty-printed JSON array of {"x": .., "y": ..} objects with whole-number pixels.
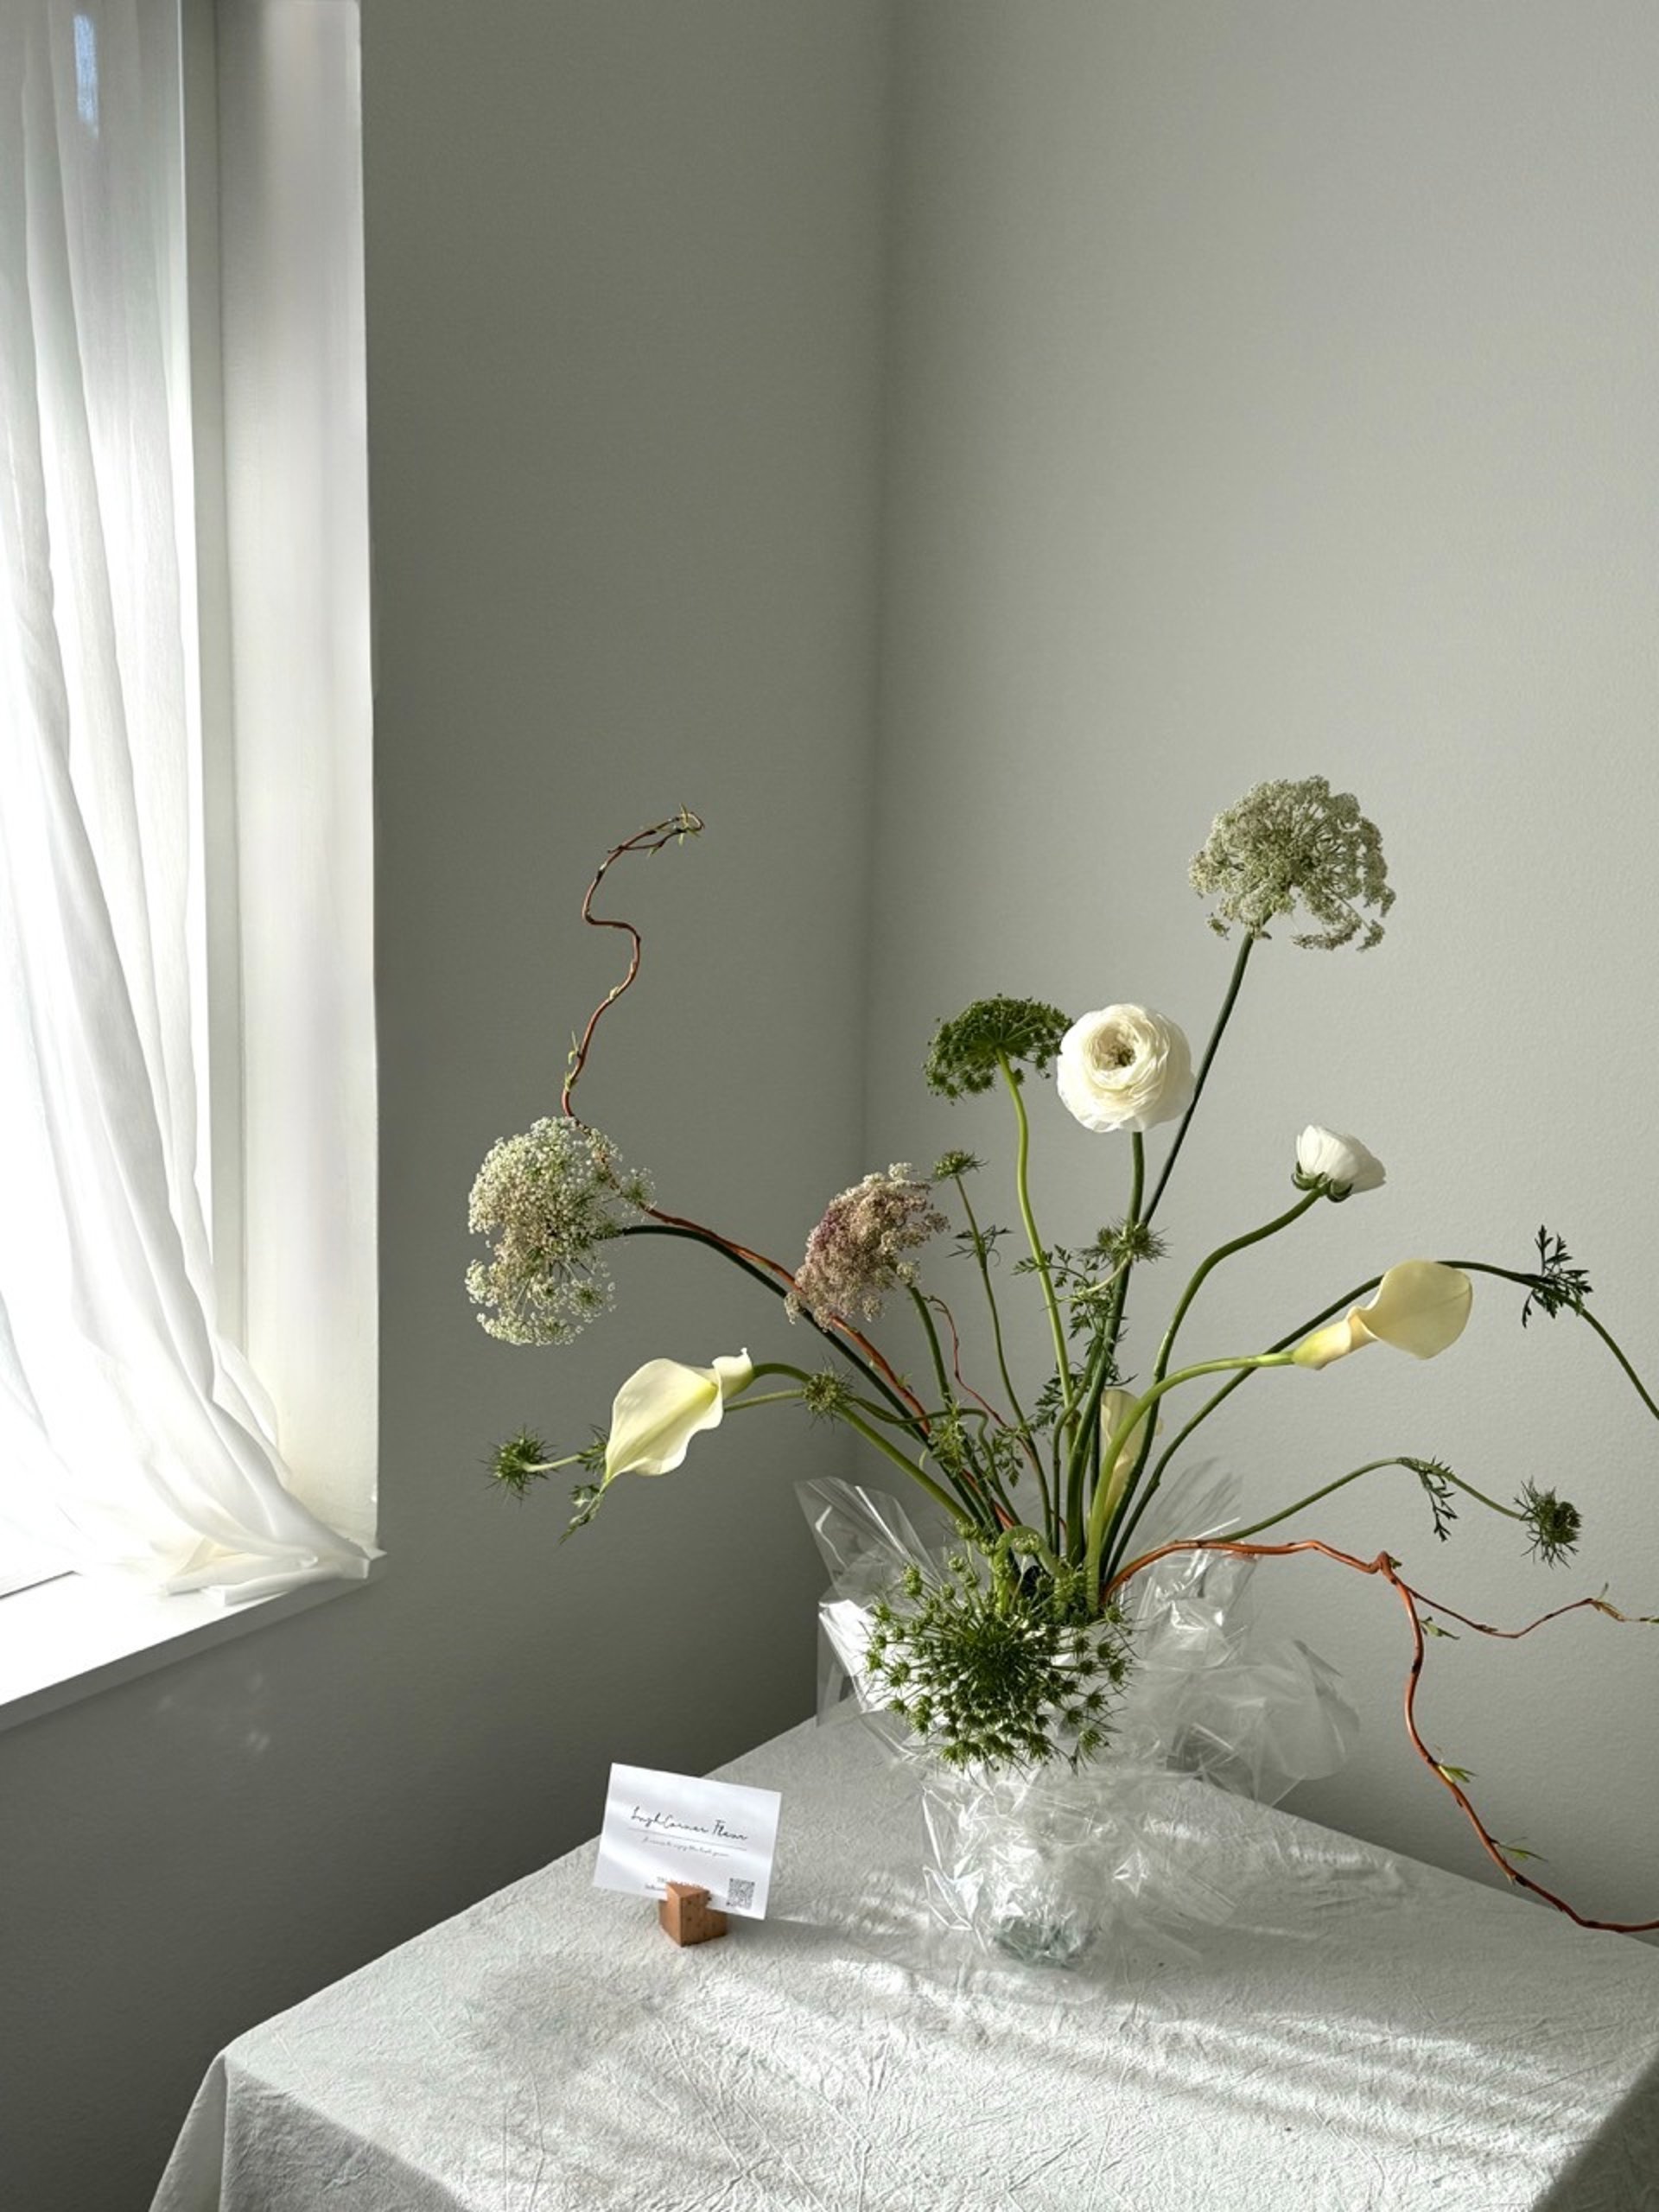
[{"x": 1362, "y": 2033}]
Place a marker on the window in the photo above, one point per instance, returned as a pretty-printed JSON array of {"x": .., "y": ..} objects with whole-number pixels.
[{"x": 187, "y": 1078}]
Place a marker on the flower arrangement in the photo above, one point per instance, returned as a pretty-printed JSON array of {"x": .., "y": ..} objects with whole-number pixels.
[{"x": 1007, "y": 1650}]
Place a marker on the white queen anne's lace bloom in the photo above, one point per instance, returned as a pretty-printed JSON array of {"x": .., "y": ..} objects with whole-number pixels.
[
  {"x": 858, "y": 1253},
  {"x": 550, "y": 1200},
  {"x": 1342, "y": 1163},
  {"x": 1124, "y": 1068}
]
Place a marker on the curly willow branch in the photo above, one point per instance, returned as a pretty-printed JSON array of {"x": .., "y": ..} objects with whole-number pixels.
[
  {"x": 962, "y": 1384},
  {"x": 673, "y": 831},
  {"x": 1412, "y": 1599}
]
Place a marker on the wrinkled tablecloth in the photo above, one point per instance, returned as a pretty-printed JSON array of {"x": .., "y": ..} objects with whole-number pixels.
[{"x": 1361, "y": 2033}]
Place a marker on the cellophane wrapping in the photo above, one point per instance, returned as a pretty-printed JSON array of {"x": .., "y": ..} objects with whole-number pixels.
[{"x": 1056, "y": 1863}]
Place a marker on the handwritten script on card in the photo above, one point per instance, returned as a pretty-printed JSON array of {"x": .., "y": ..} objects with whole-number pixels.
[{"x": 676, "y": 1827}]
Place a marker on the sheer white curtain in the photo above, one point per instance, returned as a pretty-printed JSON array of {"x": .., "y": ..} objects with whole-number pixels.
[{"x": 131, "y": 1433}]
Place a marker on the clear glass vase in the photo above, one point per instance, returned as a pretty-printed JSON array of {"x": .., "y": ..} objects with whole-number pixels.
[{"x": 1020, "y": 1861}]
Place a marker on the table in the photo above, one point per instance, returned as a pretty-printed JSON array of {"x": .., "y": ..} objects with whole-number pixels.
[{"x": 1365, "y": 2033}]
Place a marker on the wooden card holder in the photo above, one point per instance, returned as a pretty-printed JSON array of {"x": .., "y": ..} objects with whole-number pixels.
[{"x": 686, "y": 1915}]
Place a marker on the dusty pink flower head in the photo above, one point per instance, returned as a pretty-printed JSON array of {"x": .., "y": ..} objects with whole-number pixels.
[{"x": 856, "y": 1253}]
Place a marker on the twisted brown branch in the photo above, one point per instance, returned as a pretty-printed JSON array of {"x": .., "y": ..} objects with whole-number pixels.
[
  {"x": 672, "y": 831},
  {"x": 1413, "y": 1600},
  {"x": 962, "y": 1384},
  {"x": 653, "y": 839}
]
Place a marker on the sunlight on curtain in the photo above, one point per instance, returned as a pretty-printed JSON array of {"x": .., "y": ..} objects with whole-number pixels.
[{"x": 131, "y": 1433}]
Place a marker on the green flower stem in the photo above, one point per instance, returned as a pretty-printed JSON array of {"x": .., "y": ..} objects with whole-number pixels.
[
  {"x": 981, "y": 1255},
  {"x": 1222, "y": 1019},
  {"x": 1128, "y": 1527},
  {"x": 1039, "y": 1257},
  {"x": 549, "y": 1466},
  {"x": 1166, "y": 1349},
  {"x": 742, "y": 1401},
  {"x": 1612, "y": 1344},
  {"x": 1508, "y": 1274},
  {"x": 1237, "y": 1536},
  {"x": 957, "y": 1510},
  {"x": 1023, "y": 1540},
  {"x": 1121, "y": 1281},
  {"x": 1142, "y": 1406},
  {"x": 1085, "y": 1450},
  {"x": 959, "y": 1483},
  {"x": 941, "y": 1497},
  {"x": 1087, "y": 1447},
  {"x": 778, "y": 1290},
  {"x": 1225, "y": 1252},
  {"x": 933, "y": 1344},
  {"x": 908, "y": 1421},
  {"x": 1076, "y": 1463}
]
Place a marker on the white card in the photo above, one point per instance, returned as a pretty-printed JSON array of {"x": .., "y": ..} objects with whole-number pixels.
[{"x": 674, "y": 1828}]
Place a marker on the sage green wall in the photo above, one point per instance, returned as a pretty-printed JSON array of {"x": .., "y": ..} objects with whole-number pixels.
[
  {"x": 624, "y": 265},
  {"x": 1273, "y": 394}
]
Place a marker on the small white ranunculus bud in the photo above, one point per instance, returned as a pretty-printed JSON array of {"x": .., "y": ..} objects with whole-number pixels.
[
  {"x": 1342, "y": 1163},
  {"x": 1419, "y": 1306},
  {"x": 663, "y": 1405},
  {"x": 1124, "y": 1068}
]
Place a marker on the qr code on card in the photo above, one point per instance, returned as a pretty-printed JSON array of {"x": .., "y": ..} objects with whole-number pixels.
[{"x": 740, "y": 1895}]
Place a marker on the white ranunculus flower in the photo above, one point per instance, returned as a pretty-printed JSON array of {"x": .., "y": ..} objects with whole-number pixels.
[
  {"x": 663, "y": 1405},
  {"x": 1124, "y": 1068},
  {"x": 1345, "y": 1164},
  {"x": 1419, "y": 1306}
]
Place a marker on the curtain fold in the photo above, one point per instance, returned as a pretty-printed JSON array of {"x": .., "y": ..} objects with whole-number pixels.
[{"x": 131, "y": 1435}]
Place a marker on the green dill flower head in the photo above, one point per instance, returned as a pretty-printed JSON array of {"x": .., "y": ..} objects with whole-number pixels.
[
  {"x": 1122, "y": 1241},
  {"x": 825, "y": 1394},
  {"x": 992, "y": 1677},
  {"x": 520, "y": 1461},
  {"x": 549, "y": 1199},
  {"x": 967, "y": 1054},
  {"x": 950, "y": 1165},
  {"x": 856, "y": 1254},
  {"x": 1291, "y": 843},
  {"x": 1555, "y": 1524}
]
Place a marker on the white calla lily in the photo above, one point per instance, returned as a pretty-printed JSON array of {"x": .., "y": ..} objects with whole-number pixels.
[
  {"x": 1114, "y": 1408},
  {"x": 1419, "y": 1306},
  {"x": 663, "y": 1405}
]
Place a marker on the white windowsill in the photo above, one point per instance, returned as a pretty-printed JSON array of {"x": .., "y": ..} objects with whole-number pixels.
[{"x": 68, "y": 1639}]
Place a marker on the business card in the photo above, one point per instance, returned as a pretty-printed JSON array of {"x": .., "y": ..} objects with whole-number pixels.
[{"x": 678, "y": 1827}]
